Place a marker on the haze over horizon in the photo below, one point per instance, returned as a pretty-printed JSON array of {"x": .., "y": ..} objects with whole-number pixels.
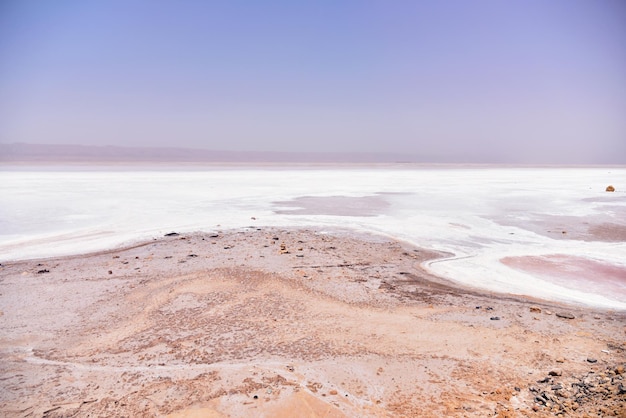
[{"x": 519, "y": 82}]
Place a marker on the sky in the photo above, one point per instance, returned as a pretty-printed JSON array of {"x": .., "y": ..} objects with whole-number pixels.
[{"x": 529, "y": 81}]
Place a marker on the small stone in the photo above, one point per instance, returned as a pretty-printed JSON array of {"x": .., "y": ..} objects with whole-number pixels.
[
  {"x": 557, "y": 387},
  {"x": 535, "y": 309},
  {"x": 495, "y": 318},
  {"x": 610, "y": 188},
  {"x": 555, "y": 372},
  {"x": 592, "y": 360},
  {"x": 172, "y": 234},
  {"x": 43, "y": 271},
  {"x": 560, "y": 360},
  {"x": 548, "y": 313},
  {"x": 619, "y": 369},
  {"x": 565, "y": 315},
  {"x": 110, "y": 272},
  {"x": 332, "y": 392}
]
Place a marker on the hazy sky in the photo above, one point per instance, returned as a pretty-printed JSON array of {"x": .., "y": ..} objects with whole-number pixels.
[{"x": 515, "y": 81}]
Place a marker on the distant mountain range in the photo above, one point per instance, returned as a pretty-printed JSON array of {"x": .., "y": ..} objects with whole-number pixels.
[{"x": 33, "y": 153}]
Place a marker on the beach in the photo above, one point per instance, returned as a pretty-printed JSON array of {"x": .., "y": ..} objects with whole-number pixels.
[{"x": 271, "y": 322}]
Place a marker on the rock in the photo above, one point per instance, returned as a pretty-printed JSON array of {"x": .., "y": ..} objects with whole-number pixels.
[
  {"x": 565, "y": 315},
  {"x": 610, "y": 188},
  {"x": 555, "y": 372},
  {"x": 560, "y": 360},
  {"x": 214, "y": 236},
  {"x": 192, "y": 255},
  {"x": 172, "y": 234},
  {"x": 592, "y": 360},
  {"x": 535, "y": 309},
  {"x": 548, "y": 313},
  {"x": 495, "y": 318},
  {"x": 110, "y": 272},
  {"x": 561, "y": 394},
  {"x": 619, "y": 369},
  {"x": 332, "y": 392},
  {"x": 43, "y": 271}
]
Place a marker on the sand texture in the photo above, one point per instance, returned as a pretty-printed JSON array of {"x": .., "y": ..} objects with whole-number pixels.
[{"x": 263, "y": 322}]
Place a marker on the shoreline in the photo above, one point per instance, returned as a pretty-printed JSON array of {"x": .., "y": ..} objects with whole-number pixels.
[
  {"x": 442, "y": 256},
  {"x": 276, "y": 321}
]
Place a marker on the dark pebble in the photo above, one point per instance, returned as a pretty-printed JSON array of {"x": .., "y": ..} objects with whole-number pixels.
[
  {"x": 495, "y": 318},
  {"x": 43, "y": 271},
  {"x": 172, "y": 234},
  {"x": 591, "y": 360},
  {"x": 565, "y": 315}
]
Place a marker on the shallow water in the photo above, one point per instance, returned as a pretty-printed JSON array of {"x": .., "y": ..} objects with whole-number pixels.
[{"x": 481, "y": 215}]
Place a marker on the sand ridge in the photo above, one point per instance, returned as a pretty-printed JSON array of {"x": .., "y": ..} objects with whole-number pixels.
[{"x": 276, "y": 322}]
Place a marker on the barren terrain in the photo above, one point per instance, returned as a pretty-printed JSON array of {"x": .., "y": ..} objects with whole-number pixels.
[{"x": 285, "y": 322}]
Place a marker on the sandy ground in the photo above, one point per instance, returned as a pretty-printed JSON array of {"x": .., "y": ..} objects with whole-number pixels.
[{"x": 266, "y": 322}]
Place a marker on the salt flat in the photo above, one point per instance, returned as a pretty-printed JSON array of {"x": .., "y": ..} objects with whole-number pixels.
[{"x": 480, "y": 215}]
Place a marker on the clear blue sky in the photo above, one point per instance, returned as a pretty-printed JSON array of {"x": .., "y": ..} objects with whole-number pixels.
[{"x": 513, "y": 81}]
